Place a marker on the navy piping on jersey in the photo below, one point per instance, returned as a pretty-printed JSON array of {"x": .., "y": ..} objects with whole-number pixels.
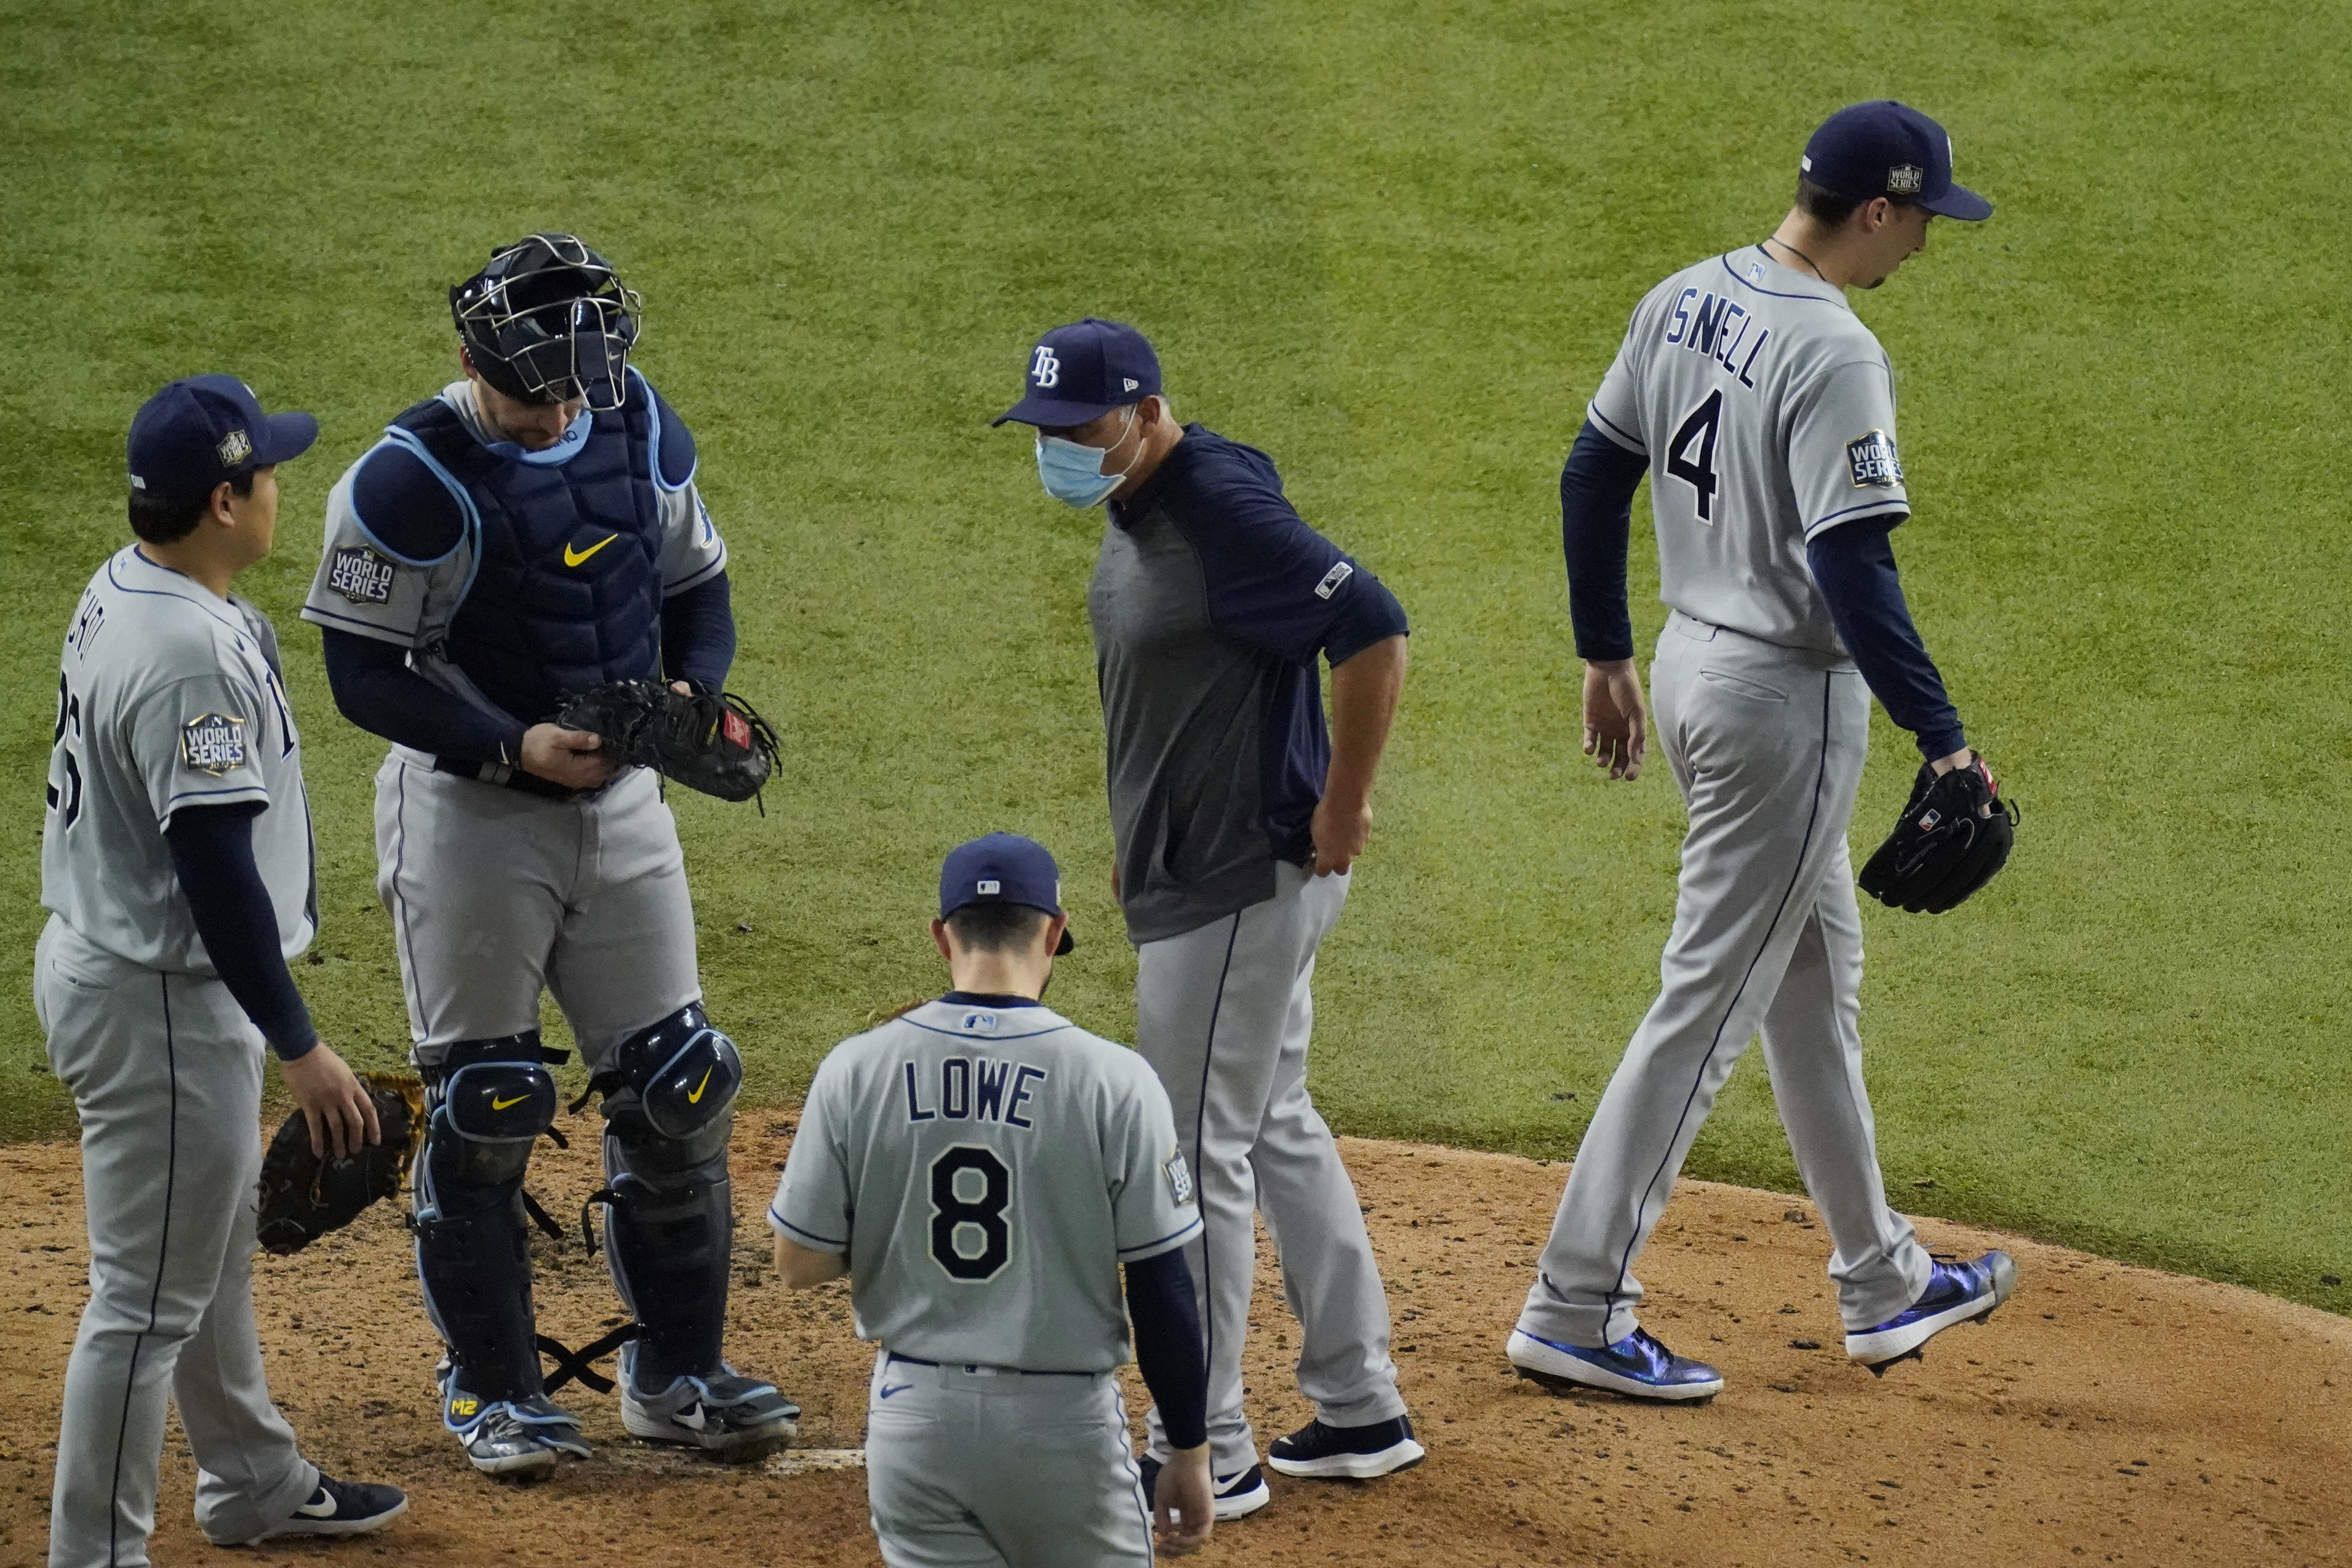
[
  {"x": 162, "y": 1256},
  {"x": 1878, "y": 506},
  {"x": 1796, "y": 875},
  {"x": 1603, "y": 420},
  {"x": 1006, "y": 1000},
  {"x": 363, "y": 628},
  {"x": 1185, "y": 1233},
  {"x": 1775, "y": 293},
  {"x": 697, "y": 580},
  {"x": 964, "y": 1035},
  {"x": 241, "y": 632},
  {"x": 825, "y": 1243},
  {"x": 205, "y": 793},
  {"x": 1200, "y": 1120}
]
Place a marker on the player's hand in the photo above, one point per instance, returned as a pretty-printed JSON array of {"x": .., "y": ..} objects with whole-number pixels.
[
  {"x": 1959, "y": 759},
  {"x": 341, "y": 1115},
  {"x": 1183, "y": 1509},
  {"x": 566, "y": 757},
  {"x": 1341, "y": 830},
  {"x": 1616, "y": 721}
]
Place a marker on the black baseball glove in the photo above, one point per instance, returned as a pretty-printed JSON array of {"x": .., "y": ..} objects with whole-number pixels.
[
  {"x": 709, "y": 741},
  {"x": 1955, "y": 832},
  {"x": 303, "y": 1196}
]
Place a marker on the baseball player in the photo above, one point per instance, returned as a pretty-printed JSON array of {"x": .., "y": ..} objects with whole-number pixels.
[
  {"x": 1763, "y": 412},
  {"x": 535, "y": 530},
  {"x": 1237, "y": 816},
  {"x": 982, "y": 1167},
  {"x": 176, "y": 868}
]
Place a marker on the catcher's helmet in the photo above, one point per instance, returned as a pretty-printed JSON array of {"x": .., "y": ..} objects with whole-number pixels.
[{"x": 549, "y": 319}]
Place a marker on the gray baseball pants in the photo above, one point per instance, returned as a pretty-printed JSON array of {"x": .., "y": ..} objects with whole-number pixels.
[
  {"x": 1766, "y": 746},
  {"x": 165, "y": 1071},
  {"x": 1223, "y": 1013},
  {"x": 980, "y": 1467},
  {"x": 497, "y": 895}
]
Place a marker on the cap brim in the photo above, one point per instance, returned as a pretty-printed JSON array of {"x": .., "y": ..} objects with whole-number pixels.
[
  {"x": 1067, "y": 943},
  {"x": 1053, "y": 412},
  {"x": 1961, "y": 203},
  {"x": 284, "y": 436}
]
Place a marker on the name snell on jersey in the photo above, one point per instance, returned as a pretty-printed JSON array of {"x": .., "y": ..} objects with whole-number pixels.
[{"x": 1718, "y": 329}]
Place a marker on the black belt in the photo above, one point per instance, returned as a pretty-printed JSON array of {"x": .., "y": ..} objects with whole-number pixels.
[
  {"x": 975, "y": 1366},
  {"x": 514, "y": 778}
]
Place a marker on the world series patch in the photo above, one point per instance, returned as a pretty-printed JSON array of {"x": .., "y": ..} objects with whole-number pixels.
[
  {"x": 213, "y": 743},
  {"x": 1179, "y": 1177},
  {"x": 361, "y": 575},
  {"x": 1872, "y": 461}
]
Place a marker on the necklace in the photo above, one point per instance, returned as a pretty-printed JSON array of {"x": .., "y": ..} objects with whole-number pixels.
[{"x": 1797, "y": 254}]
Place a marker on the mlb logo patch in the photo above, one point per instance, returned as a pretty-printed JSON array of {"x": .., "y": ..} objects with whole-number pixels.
[
  {"x": 1872, "y": 461},
  {"x": 213, "y": 743},
  {"x": 1179, "y": 1177},
  {"x": 235, "y": 447},
  {"x": 361, "y": 575},
  {"x": 977, "y": 1023},
  {"x": 1332, "y": 579},
  {"x": 988, "y": 888}
]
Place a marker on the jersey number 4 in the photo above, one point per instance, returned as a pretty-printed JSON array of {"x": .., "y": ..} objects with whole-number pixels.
[
  {"x": 1697, "y": 431},
  {"x": 954, "y": 1217}
]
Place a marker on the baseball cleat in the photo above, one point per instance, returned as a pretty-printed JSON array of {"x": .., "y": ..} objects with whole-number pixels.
[
  {"x": 509, "y": 1437},
  {"x": 722, "y": 1414},
  {"x": 1347, "y": 1453},
  {"x": 339, "y": 1507},
  {"x": 1956, "y": 1293},
  {"x": 1636, "y": 1365},
  {"x": 1236, "y": 1496}
]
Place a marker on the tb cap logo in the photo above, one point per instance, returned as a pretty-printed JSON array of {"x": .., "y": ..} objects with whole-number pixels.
[{"x": 1047, "y": 369}]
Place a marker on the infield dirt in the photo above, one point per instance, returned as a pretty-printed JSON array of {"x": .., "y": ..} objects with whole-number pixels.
[{"x": 2105, "y": 1415}]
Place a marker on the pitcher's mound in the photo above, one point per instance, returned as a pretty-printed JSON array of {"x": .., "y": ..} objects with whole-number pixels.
[{"x": 2105, "y": 1415}]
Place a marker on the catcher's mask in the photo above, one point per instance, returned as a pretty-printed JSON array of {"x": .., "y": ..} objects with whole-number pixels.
[{"x": 548, "y": 320}]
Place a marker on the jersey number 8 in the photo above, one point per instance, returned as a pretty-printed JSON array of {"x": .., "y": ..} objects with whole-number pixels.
[{"x": 951, "y": 1213}]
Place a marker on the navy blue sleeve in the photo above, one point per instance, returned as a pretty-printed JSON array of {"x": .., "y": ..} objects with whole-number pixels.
[
  {"x": 1271, "y": 580},
  {"x": 211, "y": 854},
  {"x": 375, "y": 689},
  {"x": 405, "y": 506},
  {"x": 697, "y": 635},
  {"x": 1168, "y": 1347},
  {"x": 1596, "y": 519},
  {"x": 1853, "y": 567}
]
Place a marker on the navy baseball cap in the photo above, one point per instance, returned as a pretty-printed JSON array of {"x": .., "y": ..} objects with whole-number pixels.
[
  {"x": 1887, "y": 148},
  {"x": 203, "y": 430},
  {"x": 1002, "y": 869},
  {"x": 1081, "y": 371}
]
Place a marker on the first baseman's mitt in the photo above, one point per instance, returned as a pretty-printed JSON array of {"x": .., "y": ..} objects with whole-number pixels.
[
  {"x": 303, "y": 1198},
  {"x": 1955, "y": 832},
  {"x": 710, "y": 740}
]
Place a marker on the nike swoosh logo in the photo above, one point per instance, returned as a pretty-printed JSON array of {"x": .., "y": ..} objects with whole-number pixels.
[
  {"x": 900, "y": 1389},
  {"x": 323, "y": 1509},
  {"x": 573, "y": 558},
  {"x": 497, "y": 1104},
  {"x": 691, "y": 1418},
  {"x": 696, "y": 1097}
]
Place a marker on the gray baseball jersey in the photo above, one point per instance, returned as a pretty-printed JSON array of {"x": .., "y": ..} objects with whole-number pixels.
[
  {"x": 1767, "y": 410},
  {"x": 365, "y": 587},
  {"x": 987, "y": 1167},
  {"x": 168, "y": 695}
]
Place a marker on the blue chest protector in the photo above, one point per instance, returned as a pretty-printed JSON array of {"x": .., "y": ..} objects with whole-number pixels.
[{"x": 567, "y": 591}]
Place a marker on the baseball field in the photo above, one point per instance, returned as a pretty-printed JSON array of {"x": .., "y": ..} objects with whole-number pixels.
[{"x": 1395, "y": 245}]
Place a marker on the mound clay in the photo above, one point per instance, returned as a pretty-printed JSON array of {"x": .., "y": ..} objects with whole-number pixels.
[{"x": 2106, "y": 1414}]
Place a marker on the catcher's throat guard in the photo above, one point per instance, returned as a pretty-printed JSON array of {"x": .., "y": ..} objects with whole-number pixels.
[{"x": 548, "y": 320}]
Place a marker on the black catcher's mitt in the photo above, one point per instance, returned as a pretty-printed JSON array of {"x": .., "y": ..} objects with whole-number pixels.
[
  {"x": 1954, "y": 833},
  {"x": 710, "y": 740},
  {"x": 303, "y": 1198}
]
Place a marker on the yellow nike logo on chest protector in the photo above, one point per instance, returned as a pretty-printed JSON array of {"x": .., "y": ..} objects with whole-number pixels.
[
  {"x": 497, "y": 1104},
  {"x": 574, "y": 557},
  {"x": 696, "y": 1097}
]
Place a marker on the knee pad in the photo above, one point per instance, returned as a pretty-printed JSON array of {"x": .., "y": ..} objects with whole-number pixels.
[
  {"x": 669, "y": 1109},
  {"x": 490, "y": 1101}
]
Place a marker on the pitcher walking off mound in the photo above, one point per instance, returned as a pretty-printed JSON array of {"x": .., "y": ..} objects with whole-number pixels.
[
  {"x": 1236, "y": 818},
  {"x": 1763, "y": 412}
]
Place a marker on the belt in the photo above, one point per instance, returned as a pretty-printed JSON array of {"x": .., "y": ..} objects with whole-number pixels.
[
  {"x": 973, "y": 1366},
  {"x": 514, "y": 778}
]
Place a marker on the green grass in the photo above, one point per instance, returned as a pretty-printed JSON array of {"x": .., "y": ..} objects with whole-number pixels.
[{"x": 1395, "y": 246}]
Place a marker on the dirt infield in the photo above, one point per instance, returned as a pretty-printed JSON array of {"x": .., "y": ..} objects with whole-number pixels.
[{"x": 2106, "y": 1414}]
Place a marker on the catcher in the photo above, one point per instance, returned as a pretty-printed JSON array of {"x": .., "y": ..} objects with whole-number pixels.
[{"x": 533, "y": 533}]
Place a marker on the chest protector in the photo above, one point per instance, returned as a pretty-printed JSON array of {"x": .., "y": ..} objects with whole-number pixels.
[{"x": 567, "y": 586}]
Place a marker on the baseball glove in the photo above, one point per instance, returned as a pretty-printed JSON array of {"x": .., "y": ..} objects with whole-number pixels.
[
  {"x": 303, "y": 1198},
  {"x": 709, "y": 741},
  {"x": 1955, "y": 832}
]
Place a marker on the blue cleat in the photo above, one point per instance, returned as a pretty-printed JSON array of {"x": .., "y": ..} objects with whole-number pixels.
[
  {"x": 1636, "y": 1365},
  {"x": 1956, "y": 1293}
]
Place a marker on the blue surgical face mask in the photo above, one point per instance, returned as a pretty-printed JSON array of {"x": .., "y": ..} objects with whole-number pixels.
[{"x": 1072, "y": 473}]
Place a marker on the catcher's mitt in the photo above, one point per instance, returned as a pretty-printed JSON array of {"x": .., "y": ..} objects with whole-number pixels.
[
  {"x": 303, "y": 1198},
  {"x": 1955, "y": 832},
  {"x": 710, "y": 740}
]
